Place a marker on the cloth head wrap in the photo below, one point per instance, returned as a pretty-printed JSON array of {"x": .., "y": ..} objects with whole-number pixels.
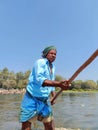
[{"x": 47, "y": 49}]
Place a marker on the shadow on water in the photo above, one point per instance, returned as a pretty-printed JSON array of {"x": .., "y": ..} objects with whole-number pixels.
[{"x": 72, "y": 110}]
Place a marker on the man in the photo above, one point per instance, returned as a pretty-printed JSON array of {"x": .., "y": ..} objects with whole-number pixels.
[{"x": 36, "y": 104}]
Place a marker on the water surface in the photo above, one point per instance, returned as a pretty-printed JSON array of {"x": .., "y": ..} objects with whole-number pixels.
[{"x": 72, "y": 110}]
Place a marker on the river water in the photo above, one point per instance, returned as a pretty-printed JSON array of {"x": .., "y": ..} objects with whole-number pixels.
[{"x": 72, "y": 110}]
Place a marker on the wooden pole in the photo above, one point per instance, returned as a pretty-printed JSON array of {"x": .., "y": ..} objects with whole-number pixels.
[{"x": 81, "y": 68}]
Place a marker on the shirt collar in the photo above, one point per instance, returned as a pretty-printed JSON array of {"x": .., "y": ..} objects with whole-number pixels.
[{"x": 47, "y": 62}]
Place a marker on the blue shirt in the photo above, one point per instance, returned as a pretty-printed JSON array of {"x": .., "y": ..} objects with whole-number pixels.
[{"x": 40, "y": 72}]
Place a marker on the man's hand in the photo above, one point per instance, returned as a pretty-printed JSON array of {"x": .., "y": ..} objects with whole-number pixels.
[{"x": 64, "y": 84}]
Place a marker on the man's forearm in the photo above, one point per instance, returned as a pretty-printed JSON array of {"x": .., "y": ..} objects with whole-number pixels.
[{"x": 51, "y": 83}]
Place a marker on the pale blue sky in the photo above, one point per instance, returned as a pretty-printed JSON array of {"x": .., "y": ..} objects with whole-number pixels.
[{"x": 28, "y": 26}]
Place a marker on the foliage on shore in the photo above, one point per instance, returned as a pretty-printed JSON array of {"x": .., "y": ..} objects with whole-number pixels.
[{"x": 10, "y": 80}]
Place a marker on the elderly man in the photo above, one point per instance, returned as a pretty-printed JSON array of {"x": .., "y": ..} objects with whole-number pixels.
[{"x": 36, "y": 103}]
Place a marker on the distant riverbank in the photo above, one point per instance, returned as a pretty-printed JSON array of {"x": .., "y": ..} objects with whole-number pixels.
[
  {"x": 12, "y": 91},
  {"x": 21, "y": 91},
  {"x": 66, "y": 129}
]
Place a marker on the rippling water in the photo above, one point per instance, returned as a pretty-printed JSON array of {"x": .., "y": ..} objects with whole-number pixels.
[{"x": 72, "y": 110}]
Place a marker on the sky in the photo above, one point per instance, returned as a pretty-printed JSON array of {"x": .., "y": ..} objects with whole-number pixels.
[{"x": 28, "y": 26}]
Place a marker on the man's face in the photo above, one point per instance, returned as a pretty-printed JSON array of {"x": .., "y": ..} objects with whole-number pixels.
[{"x": 51, "y": 56}]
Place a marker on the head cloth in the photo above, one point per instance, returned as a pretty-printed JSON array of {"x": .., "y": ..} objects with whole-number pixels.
[{"x": 47, "y": 49}]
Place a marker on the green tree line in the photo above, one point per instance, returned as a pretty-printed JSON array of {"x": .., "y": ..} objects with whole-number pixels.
[{"x": 19, "y": 80}]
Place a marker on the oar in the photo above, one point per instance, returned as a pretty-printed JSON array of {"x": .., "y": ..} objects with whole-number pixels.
[{"x": 81, "y": 68}]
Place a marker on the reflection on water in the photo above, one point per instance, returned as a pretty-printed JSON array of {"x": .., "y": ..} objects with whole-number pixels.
[{"x": 72, "y": 110}]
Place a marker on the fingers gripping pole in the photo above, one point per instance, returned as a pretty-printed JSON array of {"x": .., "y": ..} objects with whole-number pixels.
[{"x": 82, "y": 67}]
